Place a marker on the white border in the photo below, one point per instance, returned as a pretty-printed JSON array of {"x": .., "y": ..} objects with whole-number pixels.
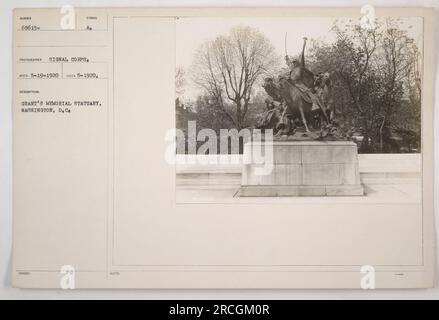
[{"x": 6, "y": 292}]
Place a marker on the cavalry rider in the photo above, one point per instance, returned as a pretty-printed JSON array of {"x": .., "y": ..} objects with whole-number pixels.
[
  {"x": 298, "y": 73},
  {"x": 304, "y": 80}
]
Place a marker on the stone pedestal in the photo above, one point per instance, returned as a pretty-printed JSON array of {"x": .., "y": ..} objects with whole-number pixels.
[{"x": 301, "y": 168}]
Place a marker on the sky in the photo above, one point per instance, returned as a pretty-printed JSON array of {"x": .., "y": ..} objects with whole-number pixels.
[{"x": 192, "y": 32}]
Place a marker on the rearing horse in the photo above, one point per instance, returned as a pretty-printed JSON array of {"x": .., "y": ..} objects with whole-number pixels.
[{"x": 295, "y": 104}]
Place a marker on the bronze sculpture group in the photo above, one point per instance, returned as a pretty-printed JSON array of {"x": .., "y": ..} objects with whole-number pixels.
[{"x": 299, "y": 103}]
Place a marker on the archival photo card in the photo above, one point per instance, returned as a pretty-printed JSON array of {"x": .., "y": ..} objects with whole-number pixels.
[{"x": 223, "y": 148}]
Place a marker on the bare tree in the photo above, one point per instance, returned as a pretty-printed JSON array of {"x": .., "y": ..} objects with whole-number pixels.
[{"x": 228, "y": 68}]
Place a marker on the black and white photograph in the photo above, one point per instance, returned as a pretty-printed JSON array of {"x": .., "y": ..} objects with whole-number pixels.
[{"x": 283, "y": 109}]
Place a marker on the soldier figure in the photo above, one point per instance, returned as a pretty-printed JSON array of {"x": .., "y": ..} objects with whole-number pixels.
[{"x": 305, "y": 81}]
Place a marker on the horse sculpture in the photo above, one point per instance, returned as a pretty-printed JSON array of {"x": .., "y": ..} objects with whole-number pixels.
[
  {"x": 300, "y": 95},
  {"x": 291, "y": 101}
]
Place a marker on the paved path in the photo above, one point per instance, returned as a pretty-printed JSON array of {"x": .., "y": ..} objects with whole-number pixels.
[{"x": 390, "y": 192}]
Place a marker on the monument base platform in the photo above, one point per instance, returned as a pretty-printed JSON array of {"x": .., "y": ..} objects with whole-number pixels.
[
  {"x": 300, "y": 191},
  {"x": 302, "y": 168}
]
